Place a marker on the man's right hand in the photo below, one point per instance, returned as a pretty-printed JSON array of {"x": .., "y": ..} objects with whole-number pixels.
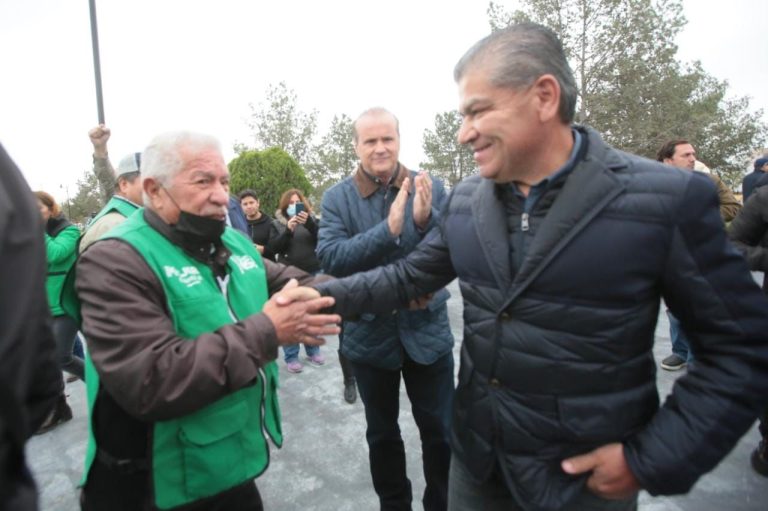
[
  {"x": 99, "y": 137},
  {"x": 396, "y": 215},
  {"x": 294, "y": 313}
]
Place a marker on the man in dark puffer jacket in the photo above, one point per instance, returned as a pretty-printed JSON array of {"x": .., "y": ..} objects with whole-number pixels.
[{"x": 564, "y": 247}]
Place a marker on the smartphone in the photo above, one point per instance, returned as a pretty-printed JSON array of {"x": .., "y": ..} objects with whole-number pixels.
[{"x": 299, "y": 207}]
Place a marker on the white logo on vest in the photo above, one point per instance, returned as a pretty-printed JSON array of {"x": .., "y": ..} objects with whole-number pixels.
[
  {"x": 189, "y": 275},
  {"x": 244, "y": 263}
]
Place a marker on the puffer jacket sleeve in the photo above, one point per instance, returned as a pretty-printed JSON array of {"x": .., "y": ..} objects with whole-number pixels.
[
  {"x": 707, "y": 286},
  {"x": 749, "y": 228},
  {"x": 386, "y": 288},
  {"x": 342, "y": 252},
  {"x": 62, "y": 246}
]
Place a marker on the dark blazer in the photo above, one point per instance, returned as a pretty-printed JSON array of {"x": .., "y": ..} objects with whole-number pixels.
[
  {"x": 30, "y": 378},
  {"x": 557, "y": 358}
]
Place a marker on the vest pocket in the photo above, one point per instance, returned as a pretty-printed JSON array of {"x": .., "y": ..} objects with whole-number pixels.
[{"x": 212, "y": 446}]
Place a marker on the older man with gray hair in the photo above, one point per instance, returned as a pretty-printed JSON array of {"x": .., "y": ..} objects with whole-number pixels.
[
  {"x": 183, "y": 336},
  {"x": 564, "y": 247}
]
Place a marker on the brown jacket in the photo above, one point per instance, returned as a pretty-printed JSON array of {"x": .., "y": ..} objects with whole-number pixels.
[
  {"x": 150, "y": 371},
  {"x": 729, "y": 204}
]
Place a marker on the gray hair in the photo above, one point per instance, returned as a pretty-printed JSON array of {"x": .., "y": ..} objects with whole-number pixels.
[
  {"x": 517, "y": 56},
  {"x": 372, "y": 112},
  {"x": 162, "y": 159}
]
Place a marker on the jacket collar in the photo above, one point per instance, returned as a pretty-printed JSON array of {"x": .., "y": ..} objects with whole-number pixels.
[
  {"x": 589, "y": 188},
  {"x": 367, "y": 186},
  {"x": 56, "y": 224}
]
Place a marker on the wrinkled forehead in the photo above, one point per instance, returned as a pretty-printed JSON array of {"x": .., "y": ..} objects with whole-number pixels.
[{"x": 208, "y": 160}]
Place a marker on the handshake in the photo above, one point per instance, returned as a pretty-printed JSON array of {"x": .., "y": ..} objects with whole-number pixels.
[{"x": 295, "y": 312}]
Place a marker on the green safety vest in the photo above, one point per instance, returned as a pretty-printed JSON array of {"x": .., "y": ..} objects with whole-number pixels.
[
  {"x": 225, "y": 443},
  {"x": 119, "y": 204},
  {"x": 68, "y": 302}
]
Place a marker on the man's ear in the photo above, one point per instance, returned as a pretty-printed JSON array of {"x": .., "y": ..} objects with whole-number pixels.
[
  {"x": 122, "y": 184},
  {"x": 152, "y": 187},
  {"x": 547, "y": 92}
]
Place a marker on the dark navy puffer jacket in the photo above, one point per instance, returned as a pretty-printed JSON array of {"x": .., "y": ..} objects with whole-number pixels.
[
  {"x": 557, "y": 358},
  {"x": 354, "y": 237}
]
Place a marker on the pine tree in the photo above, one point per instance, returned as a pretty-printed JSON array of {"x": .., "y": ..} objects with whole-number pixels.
[{"x": 446, "y": 158}]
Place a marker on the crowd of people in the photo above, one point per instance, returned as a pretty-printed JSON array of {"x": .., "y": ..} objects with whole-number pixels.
[{"x": 564, "y": 249}]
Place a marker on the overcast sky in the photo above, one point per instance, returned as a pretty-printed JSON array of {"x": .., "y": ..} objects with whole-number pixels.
[{"x": 197, "y": 64}]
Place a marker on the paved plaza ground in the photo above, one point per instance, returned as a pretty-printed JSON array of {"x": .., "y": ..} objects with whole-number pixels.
[{"x": 323, "y": 465}]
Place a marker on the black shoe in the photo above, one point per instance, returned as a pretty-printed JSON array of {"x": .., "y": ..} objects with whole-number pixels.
[
  {"x": 673, "y": 363},
  {"x": 350, "y": 391},
  {"x": 60, "y": 414},
  {"x": 760, "y": 459}
]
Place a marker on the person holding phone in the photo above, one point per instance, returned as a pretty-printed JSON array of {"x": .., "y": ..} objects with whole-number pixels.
[{"x": 295, "y": 246}]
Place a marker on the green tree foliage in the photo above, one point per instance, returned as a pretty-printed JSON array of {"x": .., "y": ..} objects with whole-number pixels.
[
  {"x": 446, "y": 158},
  {"x": 269, "y": 173},
  {"x": 279, "y": 123},
  {"x": 333, "y": 159},
  {"x": 86, "y": 201},
  {"x": 633, "y": 89}
]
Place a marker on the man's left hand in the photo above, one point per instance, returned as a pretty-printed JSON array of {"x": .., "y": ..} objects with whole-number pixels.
[
  {"x": 611, "y": 477},
  {"x": 422, "y": 201}
]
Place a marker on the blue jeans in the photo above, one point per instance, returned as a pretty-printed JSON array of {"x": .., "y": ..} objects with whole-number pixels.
[
  {"x": 430, "y": 390},
  {"x": 78, "y": 349},
  {"x": 466, "y": 493},
  {"x": 291, "y": 351},
  {"x": 680, "y": 345},
  {"x": 65, "y": 332}
]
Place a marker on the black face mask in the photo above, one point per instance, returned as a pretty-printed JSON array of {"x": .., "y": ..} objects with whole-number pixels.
[
  {"x": 199, "y": 229},
  {"x": 195, "y": 228}
]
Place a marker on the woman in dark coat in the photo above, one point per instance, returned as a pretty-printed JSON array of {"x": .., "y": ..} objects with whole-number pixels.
[{"x": 295, "y": 246}]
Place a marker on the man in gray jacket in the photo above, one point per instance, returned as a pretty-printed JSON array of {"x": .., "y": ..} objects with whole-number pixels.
[
  {"x": 373, "y": 218},
  {"x": 563, "y": 247}
]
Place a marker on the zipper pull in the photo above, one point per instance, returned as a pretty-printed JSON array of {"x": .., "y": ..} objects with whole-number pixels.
[{"x": 524, "y": 222}]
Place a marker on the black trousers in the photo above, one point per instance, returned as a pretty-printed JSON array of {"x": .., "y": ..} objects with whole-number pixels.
[
  {"x": 346, "y": 365},
  {"x": 107, "y": 490},
  {"x": 430, "y": 390}
]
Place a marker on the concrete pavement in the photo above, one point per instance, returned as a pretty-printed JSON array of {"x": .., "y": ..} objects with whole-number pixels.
[{"x": 323, "y": 465}]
